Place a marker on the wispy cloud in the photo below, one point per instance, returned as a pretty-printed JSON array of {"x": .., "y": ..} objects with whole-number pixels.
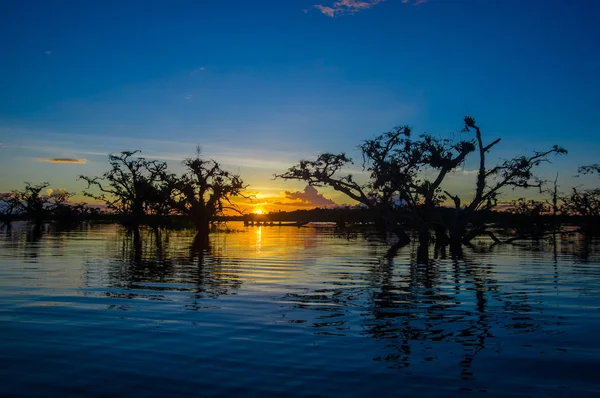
[
  {"x": 48, "y": 52},
  {"x": 62, "y": 160},
  {"x": 465, "y": 171},
  {"x": 198, "y": 70},
  {"x": 342, "y": 7},
  {"x": 330, "y": 12},
  {"x": 309, "y": 197}
]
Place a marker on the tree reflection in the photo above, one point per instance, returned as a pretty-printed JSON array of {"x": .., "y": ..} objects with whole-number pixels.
[
  {"x": 421, "y": 312},
  {"x": 148, "y": 265}
]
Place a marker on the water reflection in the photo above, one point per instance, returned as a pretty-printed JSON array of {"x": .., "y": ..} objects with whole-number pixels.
[
  {"x": 419, "y": 312},
  {"x": 275, "y": 292},
  {"x": 155, "y": 263}
]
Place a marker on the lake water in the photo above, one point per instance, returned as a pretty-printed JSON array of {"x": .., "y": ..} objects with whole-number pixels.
[{"x": 289, "y": 311}]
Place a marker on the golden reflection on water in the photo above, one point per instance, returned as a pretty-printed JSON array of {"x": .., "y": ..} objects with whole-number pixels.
[{"x": 258, "y": 239}]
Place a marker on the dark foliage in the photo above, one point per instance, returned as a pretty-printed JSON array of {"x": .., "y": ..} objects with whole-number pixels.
[
  {"x": 134, "y": 188},
  {"x": 40, "y": 204},
  {"x": 398, "y": 190},
  {"x": 205, "y": 191}
]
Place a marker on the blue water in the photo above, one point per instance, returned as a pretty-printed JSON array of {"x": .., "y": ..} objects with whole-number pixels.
[{"x": 285, "y": 311}]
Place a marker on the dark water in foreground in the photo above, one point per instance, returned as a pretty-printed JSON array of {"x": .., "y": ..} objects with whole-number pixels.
[{"x": 293, "y": 312}]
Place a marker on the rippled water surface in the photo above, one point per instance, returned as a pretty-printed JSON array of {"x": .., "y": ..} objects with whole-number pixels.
[{"x": 293, "y": 312}]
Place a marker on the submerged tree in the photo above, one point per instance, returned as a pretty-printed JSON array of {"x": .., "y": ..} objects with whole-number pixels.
[
  {"x": 585, "y": 203},
  {"x": 398, "y": 189},
  {"x": 38, "y": 203},
  {"x": 131, "y": 188},
  {"x": 63, "y": 210},
  {"x": 530, "y": 218},
  {"x": 9, "y": 208},
  {"x": 512, "y": 173},
  {"x": 32, "y": 203},
  {"x": 406, "y": 178},
  {"x": 205, "y": 191}
]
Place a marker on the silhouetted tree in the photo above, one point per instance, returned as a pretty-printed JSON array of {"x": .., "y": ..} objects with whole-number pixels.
[
  {"x": 204, "y": 191},
  {"x": 399, "y": 170},
  {"x": 34, "y": 202},
  {"x": 38, "y": 203},
  {"x": 30, "y": 202},
  {"x": 514, "y": 173},
  {"x": 590, "y": 169},
  {"x": 131, "y": 188},
  {"x": 530, "y": 217},
  {"x": 406, "y": 177},
  {"x": 396, "y": 190},
  {"x": 555, "y": 204},
  {"x": 585, "y": 203},
  {"x": 9, "y": 207},
  {"x": 62, "y": 210}
]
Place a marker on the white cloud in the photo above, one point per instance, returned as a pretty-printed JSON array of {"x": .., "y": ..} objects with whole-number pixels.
[{"x": 310, "y": 196}]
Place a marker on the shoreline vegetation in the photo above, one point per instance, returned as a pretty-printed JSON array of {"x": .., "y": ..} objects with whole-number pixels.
[{"x": 403, "y": 195}]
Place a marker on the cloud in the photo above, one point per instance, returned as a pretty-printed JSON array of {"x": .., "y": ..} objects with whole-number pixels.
[
  {"x": 330, "y": 12},
  {"x": 62, "y": 160},
  {"x": 466, "y": 172},
  {"x": 309, "y": 197},
  {"x": 48, "y": 52},
  {"x": 342, "y": 7},
  {"x": 198, "y": 70},
  {"x": 188, "y": 97},
  {"x": 346, "y": 7}
]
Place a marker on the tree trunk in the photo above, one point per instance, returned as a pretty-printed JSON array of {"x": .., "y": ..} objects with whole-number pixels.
[
  {"x": 423, "y": 247},
  {"x": 441, "y": 236},
  {"x": 200, "y": 244},
  {"x": 457, "y": 234},
  {"x": 202, "y": 224}
]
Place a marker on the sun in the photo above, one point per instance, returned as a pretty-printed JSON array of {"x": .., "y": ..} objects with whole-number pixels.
[{"x": 258, "y": 211}]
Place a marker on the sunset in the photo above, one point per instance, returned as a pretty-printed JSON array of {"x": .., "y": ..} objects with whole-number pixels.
[{"x": 299, "y": 198}]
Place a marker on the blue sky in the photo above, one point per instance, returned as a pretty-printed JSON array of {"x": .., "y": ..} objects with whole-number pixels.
[{"x": 261, "y": 84}]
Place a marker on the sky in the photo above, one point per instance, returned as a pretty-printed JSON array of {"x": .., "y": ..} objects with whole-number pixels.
[{"x": 260, "y": 85}]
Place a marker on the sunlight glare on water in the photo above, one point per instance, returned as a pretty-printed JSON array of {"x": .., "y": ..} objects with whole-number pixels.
[{"x": 293, "y": 311}]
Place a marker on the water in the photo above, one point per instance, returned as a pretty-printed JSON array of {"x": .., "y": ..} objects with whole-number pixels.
[{"x": 293, "y": 312}]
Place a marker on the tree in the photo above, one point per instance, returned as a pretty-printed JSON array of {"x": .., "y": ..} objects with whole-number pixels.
[
  {"x": 397, "y": 189},
  {"x": 530, "y": 217},
  {"x": 398, "y": 168},
  {"x": 38, "y": 203},
  {"x": 30, "y": 202},
  {"x": 62, "y": 210},
  {"x": 205, "y": 191},
  {"x": 9, "y": 207},
  {"x": 406, "y": 178},
  {"x": 585, "y": 203},
  {"x": 131, "y": 188},
  {"x": 590, "y": 169},
  {"x": 514, "y": 173}
]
